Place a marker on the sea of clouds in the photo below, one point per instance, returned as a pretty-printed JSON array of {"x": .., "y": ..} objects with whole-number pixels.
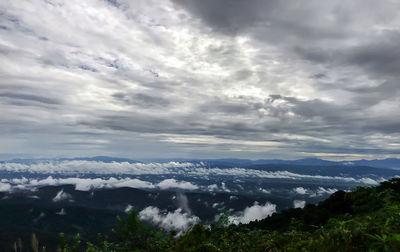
[
  {"x": 121, "y": 174},
  {"x": 182, "y": 220},
  {"x": 86, "y": 184},
  {"x": 169, "y": 168},
  {"x": 255, "y": 212}
]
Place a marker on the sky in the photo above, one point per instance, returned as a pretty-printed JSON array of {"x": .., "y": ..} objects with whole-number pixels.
[{"x": 200, "y": 79}]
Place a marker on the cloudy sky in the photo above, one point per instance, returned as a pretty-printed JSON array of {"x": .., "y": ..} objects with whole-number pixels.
[{"x": 200, "y": 79}]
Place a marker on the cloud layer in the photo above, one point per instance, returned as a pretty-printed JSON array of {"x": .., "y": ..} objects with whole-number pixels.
[
  {"x": 299, "y": 203},
  {"x": 255, "y": 212},
  {"x": 200, "y": 78},
  {"x": 61, "y": 196},
  {"x": 87, "y": 184},
  {"x": 178, "y": 220},
  {"x": 172, "y": 168}
]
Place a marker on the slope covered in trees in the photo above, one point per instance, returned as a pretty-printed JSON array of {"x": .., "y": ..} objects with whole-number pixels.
[{"x": 366, "y": 219}]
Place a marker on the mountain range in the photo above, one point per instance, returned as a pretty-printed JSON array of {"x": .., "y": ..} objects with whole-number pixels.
[{"x": 393, "y": 163}]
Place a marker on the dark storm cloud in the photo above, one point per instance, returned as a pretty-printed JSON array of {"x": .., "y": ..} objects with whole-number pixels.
[
  {"x": 314, "y": 30},
  {"x": 227, "y": 16},
  {"x": 381, "y": 56},
  {"x": 281, "y": 19}
]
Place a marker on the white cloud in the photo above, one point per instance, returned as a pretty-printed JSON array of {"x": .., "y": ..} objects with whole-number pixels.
[
  {"x": 177, "y": 220},
  {"x": 128, "y": 208},
  {"x": 217, "y": 204},
  {"x": 233, "y": 197},
  {"x": 213, "y": 187},
  {"x": 369, "y": 181},
  {"x": 61, "y": 196},
  {"x": 86, "y": 184},
  {"x": 62, "y": 212},
  {"x": 264, "y": 191},
  {"x": 172, "y": 183},
  {"x": 22, "y": 180},
  {"x": 41, "y": 215},
  {"x": 327, "y": 190},
  {"x": 183, "y": 202},
  {"x": 134, "y": 183},
  {"x": 255, "y": 212},
  {"x": 300, "y": 190},
  {"x": 299, "y": 203},
  {"x": 224, "y": 188},
  {"x": 83, "y": 166},
  {"x": 323, "y": 191},
  {"x": 5, "y": 187}
]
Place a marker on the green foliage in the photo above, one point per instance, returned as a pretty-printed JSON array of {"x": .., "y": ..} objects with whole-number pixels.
[
  {"x": 132, "y": 235},
  {"x": 129, "y": 235},
  {"x": 367, "y": 219}
]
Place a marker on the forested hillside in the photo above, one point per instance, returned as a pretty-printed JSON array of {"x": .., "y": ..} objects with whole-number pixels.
[{"x": 366, "y": 219}]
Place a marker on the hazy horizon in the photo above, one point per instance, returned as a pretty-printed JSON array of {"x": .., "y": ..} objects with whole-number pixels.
[{"x": 22, "y": 157}]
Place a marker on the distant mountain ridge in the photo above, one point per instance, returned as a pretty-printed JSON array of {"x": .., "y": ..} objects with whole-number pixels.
[{"x": 392, "y": 163}]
